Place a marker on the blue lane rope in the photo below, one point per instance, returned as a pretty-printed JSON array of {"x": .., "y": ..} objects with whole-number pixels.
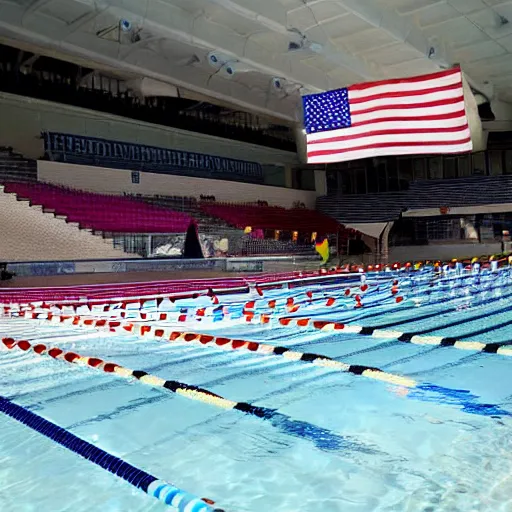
[{"x": 181, "y": 500}]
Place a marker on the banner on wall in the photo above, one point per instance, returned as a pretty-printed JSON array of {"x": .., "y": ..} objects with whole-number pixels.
[{"x": 79, "y": 149}]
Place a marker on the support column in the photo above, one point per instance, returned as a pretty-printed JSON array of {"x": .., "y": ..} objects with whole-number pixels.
[
  {"x": 288, "y": 176},
  {"x": 320, "y": 183},
  {"x": 384, "y": 247}
]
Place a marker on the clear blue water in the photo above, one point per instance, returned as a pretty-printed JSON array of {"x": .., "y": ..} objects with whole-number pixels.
[{"x": 370, "y": 446}]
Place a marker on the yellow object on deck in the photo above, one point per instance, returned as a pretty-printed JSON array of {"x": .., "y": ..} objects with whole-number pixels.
[{"x": 323, "y": 249}]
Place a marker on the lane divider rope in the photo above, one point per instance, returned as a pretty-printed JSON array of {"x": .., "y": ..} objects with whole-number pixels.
[
  {"x": 119, "y": 305},
  {"x": 296, "y": 428},
  {"x": 248, "y": 311},
  {"x": 415, "y": 339},
  {"x": 171, "y": 495},
  {"x": 167, "y": 334}
]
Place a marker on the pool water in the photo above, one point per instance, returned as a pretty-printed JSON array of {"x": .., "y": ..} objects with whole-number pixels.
[{"x": 336, "y": 441}]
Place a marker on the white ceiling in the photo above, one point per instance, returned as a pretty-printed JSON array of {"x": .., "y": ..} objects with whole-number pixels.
[{"x": 342, "y": 42}]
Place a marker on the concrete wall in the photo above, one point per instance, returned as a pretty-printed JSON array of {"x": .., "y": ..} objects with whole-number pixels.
[
  {"x": 441, "y": 252},
  {"x": 237, "y": 265},
  {"x": 28, "y": 234},
  {"x": 116, "y": 181},
  {"x": 23, "y": 119}
]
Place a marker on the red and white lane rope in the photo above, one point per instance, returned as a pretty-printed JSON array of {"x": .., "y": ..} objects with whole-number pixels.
[{"x": 170, "y": 335}]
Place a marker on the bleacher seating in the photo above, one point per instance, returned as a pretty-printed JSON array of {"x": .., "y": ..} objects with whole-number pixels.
[
  {"x": 475, "y": 190},
  {"x": 363, "y": 208},
  {"x": 109, "y": 214},
  {"x": 472, "y": 191},
  {"x": 28, "y": 234},
  {"x": 272, "y": 217}
]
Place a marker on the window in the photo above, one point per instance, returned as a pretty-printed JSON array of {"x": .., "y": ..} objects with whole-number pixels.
[
  {"x": 464, "y": 166},
  {"x": 435, "y": 168},
  {"x": 331, "y": 178},
  {"x": 495, "y": 163},
  {"x": 360, "y": 180},
  {"x": 297, "y": 179},
  {"x": 393, "y": 180},
  {"x": 507, "y": 157},
  {"x": 345, "y": 181},
  {"x": 382, "y": 173},
  {"x": 479, "y": 166},
  {"x": 372, "y": 175},
  {"x": 406, "y": 173},
  {"x": 308, "y": 179},
  {"x": 274, "y": 175},
  {"x": 450, "y": 167},
  {"x": 419, "y": 167},
  {"x": 136, "y": 177}
]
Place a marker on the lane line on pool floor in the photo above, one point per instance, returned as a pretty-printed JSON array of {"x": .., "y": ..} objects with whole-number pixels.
[
  {"x": 170, "y": 335},
  {"x": 169, "y": 494},
  {"x": 298, "y": 428}
]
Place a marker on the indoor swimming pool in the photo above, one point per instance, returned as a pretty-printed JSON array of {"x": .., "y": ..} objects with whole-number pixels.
[{"x": 387, "y": 391}]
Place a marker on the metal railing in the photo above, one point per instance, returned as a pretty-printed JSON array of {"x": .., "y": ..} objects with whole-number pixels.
[{"x": 216, "y": 243}]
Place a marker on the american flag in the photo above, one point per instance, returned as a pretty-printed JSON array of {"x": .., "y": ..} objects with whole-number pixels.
[{"x": 420, "y": 115}]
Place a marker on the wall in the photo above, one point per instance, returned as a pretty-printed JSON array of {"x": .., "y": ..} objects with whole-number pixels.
[
  {"x": 23, "y": 119},
  {"x": 117, "y": 181},
  {"x": 28, "y": 234},
  {"x": 441, "y": 252},
  {"x": 236, "y": 265}
]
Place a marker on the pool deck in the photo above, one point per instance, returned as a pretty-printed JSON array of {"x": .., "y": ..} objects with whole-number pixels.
[{"x": 112, "y": 278}]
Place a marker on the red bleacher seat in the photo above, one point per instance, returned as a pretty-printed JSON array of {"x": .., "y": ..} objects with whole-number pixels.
[
  {"x": 272, "y": 217},
  {"x": 113, "y": 214}
]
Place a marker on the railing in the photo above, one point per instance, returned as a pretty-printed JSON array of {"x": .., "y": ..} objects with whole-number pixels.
[{"x": 218, "y": 243}]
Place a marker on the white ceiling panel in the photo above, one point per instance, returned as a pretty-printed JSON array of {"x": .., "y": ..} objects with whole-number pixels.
[
  {"x": 343, "y": 78},
  {"x": 468, "y": 6},
  {"x": 494, "y": 66},
  {"x": 506, "y": 43},
  {"x": 457, "y": 32},
  {"x": 408, "y": 6},
  {"x": 434, "y": 14},
  {"x": 390, "y": 55},
  {"x": 346, "y": 26},
  {"x": 367, "y": 40},
  {"x": 327, "y": 10},
  {"x": 65, "y": 11},
  {"x": 478, "y": 51},
  {"x": 490, "y": 22},
  {"x": 412, "y": 68},
  {"x": 493, "y": 3}
]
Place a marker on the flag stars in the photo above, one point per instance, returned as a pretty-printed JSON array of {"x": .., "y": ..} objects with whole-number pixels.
[{"x": 326, "y": 111}]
